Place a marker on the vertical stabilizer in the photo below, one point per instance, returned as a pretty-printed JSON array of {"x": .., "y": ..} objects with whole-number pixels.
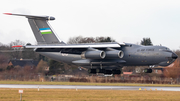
[
  {"x": 41, "y": 29},
  {"x": 43, "y": 33}
]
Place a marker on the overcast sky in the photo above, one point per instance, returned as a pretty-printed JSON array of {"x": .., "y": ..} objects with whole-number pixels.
[{"x": 124, "y": 20}]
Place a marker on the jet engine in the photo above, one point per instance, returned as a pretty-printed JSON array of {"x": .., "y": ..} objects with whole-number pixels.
[
  {"x": 93, "y": 54},
  {"x": 112, "y": 53}
]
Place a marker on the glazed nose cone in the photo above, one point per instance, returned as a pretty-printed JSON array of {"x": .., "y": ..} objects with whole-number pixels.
[{"x": 174, "y": 56}]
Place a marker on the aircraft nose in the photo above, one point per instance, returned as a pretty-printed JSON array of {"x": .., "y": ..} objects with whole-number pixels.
[{"x": 174, "y": 56}]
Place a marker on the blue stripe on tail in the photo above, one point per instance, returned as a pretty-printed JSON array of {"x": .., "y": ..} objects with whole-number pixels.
[{"x": 44, "y": 29}]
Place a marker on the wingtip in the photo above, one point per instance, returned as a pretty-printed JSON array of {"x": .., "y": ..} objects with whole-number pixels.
[{"x": 8, "y": 13}]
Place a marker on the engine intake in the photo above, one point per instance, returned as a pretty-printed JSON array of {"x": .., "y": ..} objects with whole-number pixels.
[
  {"x": 112, "y": 53},
  {"x": 93, "y": 54}
]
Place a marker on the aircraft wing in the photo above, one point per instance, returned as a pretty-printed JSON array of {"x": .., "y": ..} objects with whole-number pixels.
[
  {"x": 92, "y": 45},
  {"x": 73, "y": 48}
]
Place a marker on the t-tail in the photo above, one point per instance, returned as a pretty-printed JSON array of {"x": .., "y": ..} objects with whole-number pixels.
[{"x": 41, "y": 28}]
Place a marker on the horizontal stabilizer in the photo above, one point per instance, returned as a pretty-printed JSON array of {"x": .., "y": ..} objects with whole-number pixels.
[{"x": 33, "y": 16}]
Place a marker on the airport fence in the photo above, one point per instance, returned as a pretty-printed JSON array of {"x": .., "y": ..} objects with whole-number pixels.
[{"x": 92, "y": 79}]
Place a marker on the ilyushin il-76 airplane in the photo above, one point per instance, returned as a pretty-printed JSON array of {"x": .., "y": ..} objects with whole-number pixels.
[{"x": 106, "y": 58}]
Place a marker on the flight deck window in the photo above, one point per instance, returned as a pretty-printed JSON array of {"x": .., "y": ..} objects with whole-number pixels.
[
  {"x": 168, "y": 49},
  {"x": 164, "y": 49}
]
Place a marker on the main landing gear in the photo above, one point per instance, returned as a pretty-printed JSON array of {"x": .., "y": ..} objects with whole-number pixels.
[
  {"x": 148, "y": 70},
  {"x": 143, "y": 70},
  {"x": 104, "y": 71}
]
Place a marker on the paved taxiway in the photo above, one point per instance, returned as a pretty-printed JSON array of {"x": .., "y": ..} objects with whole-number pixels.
[{"x": 89, "y": 87}]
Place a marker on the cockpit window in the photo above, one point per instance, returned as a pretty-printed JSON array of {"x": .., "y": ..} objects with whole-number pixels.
[
  {"x": 164, "y": 49},
  {"x": 168, "y": 49}
]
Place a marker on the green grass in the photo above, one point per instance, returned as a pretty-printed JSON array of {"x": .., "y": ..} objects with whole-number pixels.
[
  {"x": 87, "y": 95},
  {"x": 83, "y": 83}
]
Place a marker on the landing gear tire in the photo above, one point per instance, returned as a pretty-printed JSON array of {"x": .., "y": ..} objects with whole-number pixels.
[
  {"x": 100, "y": 70},
  {"x": 148, "y": 70},
  {"x": 104, "y": 71},
  {"x": 116, "y": 72},
  {"x": 108, "y": 72},
  {"x": 92, "y": 71}
]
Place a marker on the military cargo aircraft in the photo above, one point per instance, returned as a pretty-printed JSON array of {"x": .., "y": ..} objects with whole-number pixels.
[{"x": 106, "y": 58}]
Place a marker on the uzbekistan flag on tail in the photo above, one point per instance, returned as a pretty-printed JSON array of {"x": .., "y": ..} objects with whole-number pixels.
[{"x": 45, "y": 31}]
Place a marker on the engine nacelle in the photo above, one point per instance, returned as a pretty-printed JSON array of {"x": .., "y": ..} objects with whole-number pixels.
[
  {"x": 93, "y": 54},
  {"x": 114, "y": 53}
]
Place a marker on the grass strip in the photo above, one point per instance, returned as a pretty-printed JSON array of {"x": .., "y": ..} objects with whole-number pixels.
[{"x": 87, "y": 95}]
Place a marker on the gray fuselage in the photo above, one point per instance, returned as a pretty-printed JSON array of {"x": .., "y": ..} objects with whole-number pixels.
[{"x": 133, "y": 55}]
